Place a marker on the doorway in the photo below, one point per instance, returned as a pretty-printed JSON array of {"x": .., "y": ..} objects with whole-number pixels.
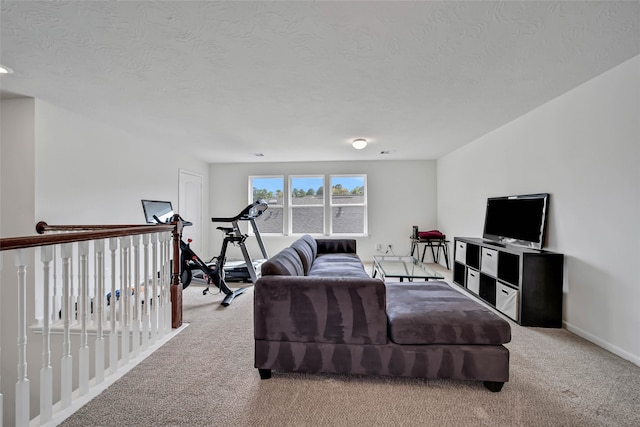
[{"x": 190, "y": 207}]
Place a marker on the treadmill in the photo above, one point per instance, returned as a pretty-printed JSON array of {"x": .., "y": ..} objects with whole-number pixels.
[{"x": 239, "y": 271}]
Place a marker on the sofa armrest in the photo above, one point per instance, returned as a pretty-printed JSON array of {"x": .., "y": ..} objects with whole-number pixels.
[
  {"x": 320, "y": 309},
  {"x": 332, "y": 246}
]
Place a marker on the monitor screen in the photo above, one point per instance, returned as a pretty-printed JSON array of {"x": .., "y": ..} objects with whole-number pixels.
[
  {"x": 518, "y": 220},
  {"x": 157, "y": 209}
]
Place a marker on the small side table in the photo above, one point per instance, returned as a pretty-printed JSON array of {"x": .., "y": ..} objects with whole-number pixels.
[{"x": 436, "y": 246}]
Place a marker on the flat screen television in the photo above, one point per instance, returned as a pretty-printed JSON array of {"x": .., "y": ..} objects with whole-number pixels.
[
  {"x": 519, "y": 220},
  {"x": 162, "y": 210}
]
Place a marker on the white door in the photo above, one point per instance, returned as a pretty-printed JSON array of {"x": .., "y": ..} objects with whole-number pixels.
[{"x": 190, "y": 209}]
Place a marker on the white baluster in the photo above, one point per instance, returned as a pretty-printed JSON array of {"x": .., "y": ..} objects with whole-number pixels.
[
  {"x": 83, "y": 313},
  {"x": 93, "y": 286},
  {"x": 154, "y": 285},
  {"x": 136, "y": 296},
  {"x": 1, "y": 397},
  {"x": 98, "y": 305},
  {"x": 113, "y": 336},
  {"x": 66, "y": 366},
  {"x": 165, "y": 286},
  {"x": 56, "y": 293},
  {"x": 125, "y": 292},
  {"x": 22, "y": 385},
  {"x": 167, "y": 283},
  {"x": 46, "y": 372},
  {"x": 147, "y": 294},
  {"x": 161, "y": 298}
]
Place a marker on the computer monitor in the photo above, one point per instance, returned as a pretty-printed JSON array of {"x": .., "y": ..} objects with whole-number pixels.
[{"x": 153, "y": 209}]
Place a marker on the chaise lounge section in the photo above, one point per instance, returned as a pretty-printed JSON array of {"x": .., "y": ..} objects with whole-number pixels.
[{"x": 317, "y": 310}]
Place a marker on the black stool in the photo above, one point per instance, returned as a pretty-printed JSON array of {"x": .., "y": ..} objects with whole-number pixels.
[{"x": 436, "y": 246}]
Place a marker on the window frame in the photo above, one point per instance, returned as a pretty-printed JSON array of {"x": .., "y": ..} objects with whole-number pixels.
[
  {"x": 364, "y": 204},
  {"x": 292, "y": 206},
  {"x": 283, "y": 205},
  {"x": 327, "y": 206}
]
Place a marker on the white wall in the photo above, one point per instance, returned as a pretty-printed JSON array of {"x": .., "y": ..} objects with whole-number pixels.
[
  {"x": 84, "y": 172},
  {"x": 90, "y": 173},
  {"x": 400, "y": 194},
  {"x": 584, "y": 149},
  {"x": 17, "y": 182}
]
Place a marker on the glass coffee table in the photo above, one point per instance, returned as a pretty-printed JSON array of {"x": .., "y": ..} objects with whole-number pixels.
[{"x": 402, "y": 267}]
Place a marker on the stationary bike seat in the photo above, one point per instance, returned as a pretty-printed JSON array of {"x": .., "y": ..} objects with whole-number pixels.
[{"x": 226, "y": 230}]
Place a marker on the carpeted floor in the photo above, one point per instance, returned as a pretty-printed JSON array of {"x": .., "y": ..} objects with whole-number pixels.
[{"x": 205, "y": 377}]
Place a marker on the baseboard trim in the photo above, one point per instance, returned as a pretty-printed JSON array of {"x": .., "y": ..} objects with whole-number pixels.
[{"x": 601, "y": 343}]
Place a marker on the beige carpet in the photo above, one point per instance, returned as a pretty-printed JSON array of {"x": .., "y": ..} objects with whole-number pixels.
[{"x": 205, "y": 377}]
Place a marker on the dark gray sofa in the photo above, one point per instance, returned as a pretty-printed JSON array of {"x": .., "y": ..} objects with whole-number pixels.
[{"x": 317, "y": 310}]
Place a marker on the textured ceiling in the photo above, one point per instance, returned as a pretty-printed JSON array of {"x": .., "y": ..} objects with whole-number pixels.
[{"x": 296, "y": 81}]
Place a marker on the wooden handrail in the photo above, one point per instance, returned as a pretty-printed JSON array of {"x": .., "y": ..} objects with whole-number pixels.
[
  {"x": 42, "y": 227},
  {"x": 92, "y": 232}
]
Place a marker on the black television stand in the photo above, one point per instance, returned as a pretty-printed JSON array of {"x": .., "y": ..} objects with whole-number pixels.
[{"x": 525, "y": 284}]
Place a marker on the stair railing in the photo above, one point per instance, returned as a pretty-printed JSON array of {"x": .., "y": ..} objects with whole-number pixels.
[{"x": 83, "y": 302}]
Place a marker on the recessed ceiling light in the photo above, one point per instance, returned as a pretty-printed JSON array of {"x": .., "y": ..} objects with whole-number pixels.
[
  {"x": 5, "y": 70},
  {"x": 359, "y": 143}
]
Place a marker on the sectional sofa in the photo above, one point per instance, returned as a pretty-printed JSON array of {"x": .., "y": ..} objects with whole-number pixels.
[{"x": 317, "y": 310}]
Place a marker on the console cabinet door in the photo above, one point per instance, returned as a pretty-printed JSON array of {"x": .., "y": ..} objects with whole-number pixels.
[
  {"x": 489, "y": 262},
  {"x": 461, "y": 252},
  {"x": 473, "y": 281},
  {"x": 507, "y": 300}
]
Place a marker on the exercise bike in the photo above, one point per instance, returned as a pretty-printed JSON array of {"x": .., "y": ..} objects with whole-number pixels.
[{"x": 213, "y": 272}]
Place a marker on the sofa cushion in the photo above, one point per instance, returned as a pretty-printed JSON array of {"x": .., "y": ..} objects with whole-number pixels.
[
  {"x": 332, "y": 246},
  {"x": 338, "y": 265},
  {"x": 285, "y": 263},
  {"x": 435, "y": 313},
  {"x": 305, "y": 252},
  {"x": 312, "y": 244}
]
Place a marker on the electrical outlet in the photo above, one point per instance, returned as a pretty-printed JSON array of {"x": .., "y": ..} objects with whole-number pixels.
[{"x": 378, "y": 246}]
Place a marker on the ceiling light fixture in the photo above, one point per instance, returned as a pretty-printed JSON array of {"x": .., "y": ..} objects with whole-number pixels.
[
  {"x": 5, "y": 70},
  {"x": 359, "y": 143}
]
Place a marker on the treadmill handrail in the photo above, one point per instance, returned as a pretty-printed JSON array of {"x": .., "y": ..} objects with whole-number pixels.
[{"x": 253, "y": 211}]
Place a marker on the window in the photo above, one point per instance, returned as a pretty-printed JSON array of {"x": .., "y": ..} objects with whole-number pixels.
[
  {"x": 306, "y": 204},
  {"x": 271, "y": 189},
  {"x": 348, "y": 204},
  {"x": 300, "y": 204}
]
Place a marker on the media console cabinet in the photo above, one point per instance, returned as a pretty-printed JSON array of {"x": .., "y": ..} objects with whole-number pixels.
[{"x": 524, "y": 284}]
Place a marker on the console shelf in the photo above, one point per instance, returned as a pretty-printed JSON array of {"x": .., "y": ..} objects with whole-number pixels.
[{"x": 522, "y": 283}]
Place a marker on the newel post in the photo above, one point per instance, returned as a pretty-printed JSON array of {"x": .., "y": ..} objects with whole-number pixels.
[{"x": 176, "y": 286}]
